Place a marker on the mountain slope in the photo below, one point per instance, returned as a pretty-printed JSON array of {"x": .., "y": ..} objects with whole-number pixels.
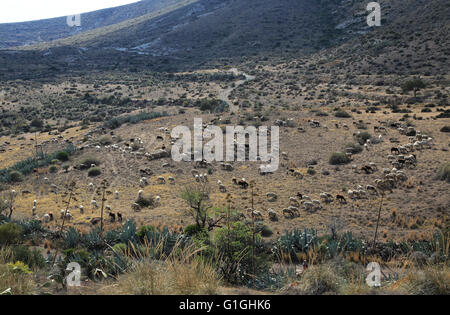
[{"x": 29, "y": 33}]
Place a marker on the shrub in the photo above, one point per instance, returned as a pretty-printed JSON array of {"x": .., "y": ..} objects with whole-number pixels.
[
  {"x": 362, "y": 137},
  {"x": 10, "y": 233},
  {"x": 338, "y": 158},
  {"x": 63, "y": 156},
  {"x": 264, "y": 230},
  {"x": 430, "y": 281},
  {"x": 20, "y": 283},
  {"x": 87, "y": 161},
  {"x": 195, "y": 230},
  {"x": 32, "y": 257},
  {"x": 444, "y": 172},
  {"x": 94, "y": 171},
  {"x": 320, "y": 279},
  {"x": 105, "y": 140},
  {"x": 145, "y": 202},
  {"x": 53, "y": 169},
  {"x": 144, "y": 231},
  {"x": 15, "y": 176},
  {"x": 445, "y": 129},
  {"x": 355, "y": 148},
  {"x": 340, "y": 113}
]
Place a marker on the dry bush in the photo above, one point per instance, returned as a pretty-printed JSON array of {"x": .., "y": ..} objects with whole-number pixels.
[{"x": 432, "y": 280}]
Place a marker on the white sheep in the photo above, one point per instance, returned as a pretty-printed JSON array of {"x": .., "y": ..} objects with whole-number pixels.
[
  {"x": 81, "y": 209},
  {"x": 158, "y": 200},
  {"x": 140, "y": 192},
  {"x": 94, "y": 204},
  {"x": 294, "y": 201}
]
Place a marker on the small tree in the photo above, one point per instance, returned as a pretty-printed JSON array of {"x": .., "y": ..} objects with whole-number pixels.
[
  {"x": 197, "y": 197},
  {"x": 413, "y": 85}
]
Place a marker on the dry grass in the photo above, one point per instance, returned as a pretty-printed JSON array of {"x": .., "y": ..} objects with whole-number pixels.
[
  {"x": 182, "y": 272},
  {"x": 18, "y": 283}
]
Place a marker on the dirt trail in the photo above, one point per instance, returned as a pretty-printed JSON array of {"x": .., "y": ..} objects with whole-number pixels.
[{"x": 225, "y": 94}]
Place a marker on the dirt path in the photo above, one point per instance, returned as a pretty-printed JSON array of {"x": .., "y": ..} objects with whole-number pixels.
[{"x": 225, "y": 94}]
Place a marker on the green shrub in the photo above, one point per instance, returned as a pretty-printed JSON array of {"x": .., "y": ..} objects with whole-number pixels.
[
  {"x": 144, "y": 231},
  {"x": 234, "y": 246},
  {"x": 264, "y": 230},
  {"x": 10, "y": 233},
  {"x": 87, "y": 161},
  {"x": 340, "y": 113},
  {"x": 63, "y": 156},
  {"x": 362, "y": 137},
  {"x": 445, "y": 129},
  {"x": 94, "y": 171},
  {"x": 195, "y": 230},
  {"x": 444, "y": 172},
  {"x": 53, "y": 169},
  {"x": 32, "y": 257},
  {"x": 338, "y": 158},
  {"x": 145, "y": 202},
  {"x": 15, "y": 176},
  {"x": 355, "y": 148}
]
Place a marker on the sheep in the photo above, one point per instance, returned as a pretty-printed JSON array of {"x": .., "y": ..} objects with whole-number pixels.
[
  {"x": 143, "y": 182},
  {"x": 317, "y": 204},
  {"x": 294, "y": 201},
  {"x": 341, "y": 199},
  {"x": 372, "y": 189},
  {"x": 158, "y": 200},
  {"x": 119, "y": 216},
  {"x": 326, "y": 197},
  {"x": 112, "y": 216},
  {"x": 352, "y": 194},
  {"x": 136, "y": 207},
  {"x": 294, "y": 209},
  {"x": 91, "y": 187},
  {"x": 140, "y": 192},
  {"x": 273, "y": 216},
  {"x": 108, "y": 208},
  {"x": 373, "y": 165},
  {"x": 81, "y": 209},
  {"x": 116, "y": 194},
  {"x": 33, "y": 211},
  {"x": 288, "y": 213},
  {"x": 34, "y": 203},
  {"x": 362, "y": 194},
  {"x": 309, "y": 206},
  {"x": 257, "y": 215},
  {"x": 306, "y": 198},
  {"x": 272, "y": 197},
  {"x": 94, "y": 204},
  {"x": 47, "y": 218},
  {"x": 243, "y": 183},
  {"x": 171, "y": 180},
  {"x": 222, "y": 188}
]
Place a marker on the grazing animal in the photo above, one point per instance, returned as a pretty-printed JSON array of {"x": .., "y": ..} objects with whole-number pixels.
[
  {"x": 112, "y": 216},
  {"x": 119, "y": 216},
  {"x": 288, "y": 213},
  {"x": 136, "y": 207},
  {"x": 243, "y": 183},
  {"x": 272, "y": 197},
  {"x": 273, "y": 216},
  {"x": 341, "y": 199},
  {"x": 395, "y": 151}
]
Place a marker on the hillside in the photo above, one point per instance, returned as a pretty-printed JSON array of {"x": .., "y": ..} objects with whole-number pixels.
[{"x": 29, "y": 33}]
